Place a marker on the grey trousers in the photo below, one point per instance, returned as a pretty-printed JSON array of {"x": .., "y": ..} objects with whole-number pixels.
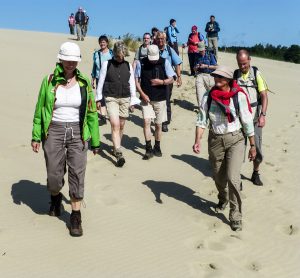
[
  {"x": 64, "y": 147},
  {"x": 226, "y": 154},
  {"x": 213, "y": 44},
  {"x": 79, "y": 31}
]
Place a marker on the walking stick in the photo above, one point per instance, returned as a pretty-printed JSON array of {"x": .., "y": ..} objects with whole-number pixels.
[{"x": 182, "y": 47}]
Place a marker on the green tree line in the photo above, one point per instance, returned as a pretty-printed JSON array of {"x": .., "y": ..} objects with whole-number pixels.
[{"x": 283, "y": 53}]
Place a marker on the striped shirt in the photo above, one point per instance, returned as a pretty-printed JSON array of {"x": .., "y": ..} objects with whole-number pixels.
[{"x": 218, "y": 121}]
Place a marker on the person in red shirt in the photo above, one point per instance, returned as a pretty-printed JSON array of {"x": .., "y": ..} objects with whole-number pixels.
[
  {"x": 71, "y": 22},
  {"x": 194, "y": 38}
]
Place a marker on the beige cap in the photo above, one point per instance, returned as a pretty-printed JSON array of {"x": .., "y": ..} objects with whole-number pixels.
[
  {"x": 201, "y": 46},
  {"x": 223, "y": 71},
  {"x": 153, "y": 52}
]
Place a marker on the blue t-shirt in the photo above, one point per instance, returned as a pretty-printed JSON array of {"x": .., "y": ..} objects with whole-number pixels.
[
  {"x": 173, "y": 59},
  {"x": 207, "y": 59}
]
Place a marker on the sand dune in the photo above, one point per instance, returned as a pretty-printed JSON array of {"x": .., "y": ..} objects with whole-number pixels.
[{"x": 151, "y": 218}]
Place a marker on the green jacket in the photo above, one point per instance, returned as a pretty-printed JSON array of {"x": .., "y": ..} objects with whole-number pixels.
[{"x": 44, "y": 108}]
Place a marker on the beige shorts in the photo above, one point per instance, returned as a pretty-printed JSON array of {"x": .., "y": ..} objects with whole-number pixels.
[
  {"x": 117, "y": 107},
  {"x": 156, "y": 110}
]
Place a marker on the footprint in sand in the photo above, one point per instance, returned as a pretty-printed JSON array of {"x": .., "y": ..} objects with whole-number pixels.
[
  {"x": 269, "y": 164},
  {"x": 195, "y": 243},
  {"x": 290, "y": 230},
  {"x": 109, "y": 201},
  {"x": 199, "y": 269},
  {"x": 216, "y": 246},
  {"x": 254, "y": 266},
  {"x": 278, "y": 181}
]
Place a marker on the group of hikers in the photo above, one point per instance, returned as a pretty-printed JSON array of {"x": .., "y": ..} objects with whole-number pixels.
[
  {"x": 80, "y": 21},
  {"x": 232, "y": 106}
]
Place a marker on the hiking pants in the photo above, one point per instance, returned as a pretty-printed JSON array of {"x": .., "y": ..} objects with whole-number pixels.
[
  {"x": 192, "y": 59},
  {"x": 64, "y": 147},
  {"x": 168, "y": 100},
  {"x": 79, "y": 31},
  {"x": 71, "y": 29},
  {"x": 204, "y": 82},
  {"x": 226, "y": 154},
  {"x": 213, "y": 44}
]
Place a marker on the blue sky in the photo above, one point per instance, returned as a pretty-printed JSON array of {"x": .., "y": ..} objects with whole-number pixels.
[{"x": 242, "y": 22}]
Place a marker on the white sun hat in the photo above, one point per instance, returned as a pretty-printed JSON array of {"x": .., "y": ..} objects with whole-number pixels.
[{"x": 69, "y": 51}]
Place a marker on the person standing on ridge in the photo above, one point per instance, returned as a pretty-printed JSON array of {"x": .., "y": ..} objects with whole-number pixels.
[
  {"x": 80, "y": 19},
  {"x": 253, "y": 83},
  {"x": 65, "y": 119},
  {"x": 212, "y": 30},
  {"x": 171, "y": 33},
  {"x": 71, "y": 22}
]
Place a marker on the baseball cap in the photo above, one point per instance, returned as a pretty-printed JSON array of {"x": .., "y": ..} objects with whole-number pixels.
[{"x": 153, "y": 52}]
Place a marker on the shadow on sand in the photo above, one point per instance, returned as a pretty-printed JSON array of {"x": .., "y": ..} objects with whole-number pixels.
[
  {"x": 35, "y": 196},
  {"x": 185, "y": 195}
]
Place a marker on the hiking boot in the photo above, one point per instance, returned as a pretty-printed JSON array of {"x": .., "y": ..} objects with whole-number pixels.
[
  {"x": 102, "y": 120},
  {"x": 75, "y": 224},
  {"x": 82, "y": 39},
  {"x": 221, "y": 206},
  {"x": 157, "y": 151},
  {"x": 236, "y": 225},
  {"x": 55, "y": 205},
  {"x": 256, "y": 179},
  {"x": 120, "y": 158},
  {"x": 148, "y": 154},
  {"x": 164, "y": 128}
]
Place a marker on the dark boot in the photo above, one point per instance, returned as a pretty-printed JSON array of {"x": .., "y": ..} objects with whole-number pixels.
[
  {"x": 120, "y": 158},
  {"x": 149, "y": 151},
  {"x": 236, "y": 225},
  {"x": 221, "y": 206},
  {"x": 75, "y": 222},
  {"x": 55, "y": 205},
  {"x": 164, "y": 127},
  {"x": 156, "y": 149},
  {"x": 256, "y": 179}
]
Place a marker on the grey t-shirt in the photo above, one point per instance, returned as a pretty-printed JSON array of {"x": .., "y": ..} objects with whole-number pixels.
[{"x": 141, "y": 53}]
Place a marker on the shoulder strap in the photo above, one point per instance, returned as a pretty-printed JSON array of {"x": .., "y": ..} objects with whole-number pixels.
[
  {"x": 170, "y": 53},
  {"x": 111, "y": 52},
  {"x": 236, "y": 74},
  {"x": 209, "y": 100},
  {"x": 99, "y": 54},
  {"x": 236, "y": 104},
  {"x": 50, "y": 77},
  {"x": 108, "y": 64}
]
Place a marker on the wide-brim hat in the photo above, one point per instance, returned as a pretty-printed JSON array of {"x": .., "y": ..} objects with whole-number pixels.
[
  {"x": 223, "y": 71},
  {"x": 69, "y": 51}
]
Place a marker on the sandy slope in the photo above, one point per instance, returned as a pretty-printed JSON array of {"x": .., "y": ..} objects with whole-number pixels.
[{"x": 151, "y": 218}]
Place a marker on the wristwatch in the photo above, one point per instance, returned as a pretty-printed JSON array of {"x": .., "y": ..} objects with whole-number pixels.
[{"x": 264, "y": 114}]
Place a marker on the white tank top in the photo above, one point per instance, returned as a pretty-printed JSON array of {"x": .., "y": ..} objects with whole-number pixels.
[{"x": 66, "y": 106}]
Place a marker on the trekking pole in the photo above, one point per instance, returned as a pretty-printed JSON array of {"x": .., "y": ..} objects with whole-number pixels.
[{"x": 182, "y": 47}]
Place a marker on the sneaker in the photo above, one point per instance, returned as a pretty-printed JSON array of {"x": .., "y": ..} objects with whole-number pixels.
[
  {"x": 164, "y": 128},
  {"x": 55, "y": 205},
  {"x": 120, "y": 158},
  {"x": 157, "y": 151},
  {"x": 75, "y": 221},
  {"x": 221, "y": 206},
  {"x": 148, "y": 154},
  {"x": 256, "y": 179},
  {"x": 236, "y": 225}
]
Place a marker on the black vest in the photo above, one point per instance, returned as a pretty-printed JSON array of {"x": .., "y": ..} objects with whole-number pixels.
[
  {"x": 116, "y": 83},
  {"x": 151, "y": 71}
]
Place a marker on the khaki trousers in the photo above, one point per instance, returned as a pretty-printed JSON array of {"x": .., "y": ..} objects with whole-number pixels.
[
  {"x": 204, "y": 82},
  {"x": 213, "y": 44},
  {"x": 226, "y": 154}
]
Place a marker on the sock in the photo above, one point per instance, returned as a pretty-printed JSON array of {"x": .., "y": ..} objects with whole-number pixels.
[
  {"x": 76, "y": 212},
  {"x": 157, "y": 144},
  {"x": 148, "y": 144}
]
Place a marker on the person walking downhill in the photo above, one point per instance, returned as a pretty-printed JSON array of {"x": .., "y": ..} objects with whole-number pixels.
[
  {"x": 80, "y": 19},
  {"x": 171, "y": 33},
  {"x": 193, "y": 41},
  {"x": 227, "y": 111},
  {"x": 153, "y": 75},
  {"x": 65, "y": 119},
  {"x": 117, "y": 86},
  {"x": 71, "y": 22},
  {"x": 154, "y": 31},
  {"x": 169, "y": 53},
  {"x": 212, "y": 30},
  {"x": 252, "y": 81},
  {"x": 100, "y": 56},
  {"x": 143, "y": 49},
  {"x": 205, "y": 64}
]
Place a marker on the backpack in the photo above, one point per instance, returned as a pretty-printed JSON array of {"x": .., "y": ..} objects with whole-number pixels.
[
  {"x": 199, "y": 36},
  {"x": 255, "y": 69},
  {"x": 140, "y": 53},
  {"x": 167, "y": 34}
]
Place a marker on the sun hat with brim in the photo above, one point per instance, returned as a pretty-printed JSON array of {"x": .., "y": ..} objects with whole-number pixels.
[
  {"x": 223, "y": 71},
  {"x": 153, "y": 52},
  {"x": 69, "y": 51},
  {"x": 201, "y": 46}
]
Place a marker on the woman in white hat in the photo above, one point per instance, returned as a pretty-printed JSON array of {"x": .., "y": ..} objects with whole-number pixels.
[
  {"x": 65, "y": 119},
  {"x": 226, "y": 110}
]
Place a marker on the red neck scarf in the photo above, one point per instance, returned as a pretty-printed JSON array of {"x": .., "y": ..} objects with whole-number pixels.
[{"x": 224, "y": 98}]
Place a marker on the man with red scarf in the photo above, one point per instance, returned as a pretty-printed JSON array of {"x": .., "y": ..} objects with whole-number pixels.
[{"x": 228, "y": 124}]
